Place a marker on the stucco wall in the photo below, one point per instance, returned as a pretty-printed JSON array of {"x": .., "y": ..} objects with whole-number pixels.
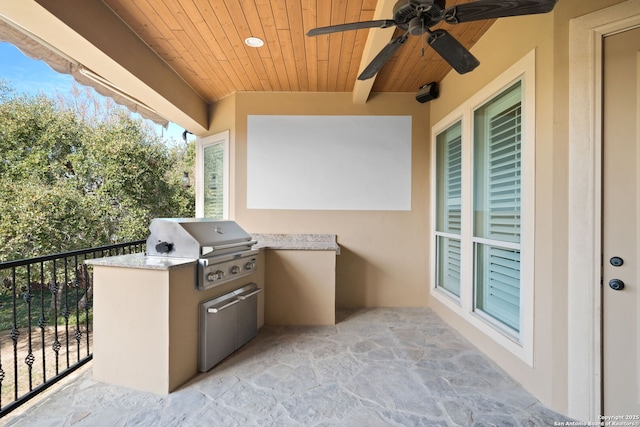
[
  {"x": 507, "y": 41},
  {"x": 497, "y": 50},
  {"x": 383, "y": 260}
]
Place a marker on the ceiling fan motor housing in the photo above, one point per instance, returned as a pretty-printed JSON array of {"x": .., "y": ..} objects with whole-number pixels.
[{"x": 405, "y": 11}]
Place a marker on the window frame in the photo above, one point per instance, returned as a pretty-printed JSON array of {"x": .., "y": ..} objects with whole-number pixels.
[
  {"x": 446, "y": 234},
  {"x": 201, "y": 145},
  {"x": 504, "y": 99},
  {"x": 520, "y": 343}
]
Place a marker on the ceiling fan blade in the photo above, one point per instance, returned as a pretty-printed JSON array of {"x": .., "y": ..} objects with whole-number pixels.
[
  {"x": 382, "y": 57},
  {"x": 490, "y": 9},
  {"x": 452, "y": 51},
  {"x": 381, "y": 23}
]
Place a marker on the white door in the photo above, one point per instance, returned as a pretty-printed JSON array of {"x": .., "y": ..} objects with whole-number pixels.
[{"x": 621, "y": 227}]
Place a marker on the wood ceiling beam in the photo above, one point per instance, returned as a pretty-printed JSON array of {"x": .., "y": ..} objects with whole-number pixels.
[
  {"x": 377, "y": 39},
  {"x": 91, "y": 34}
]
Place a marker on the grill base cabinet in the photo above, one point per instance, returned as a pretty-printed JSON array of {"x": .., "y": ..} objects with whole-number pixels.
[
  {"x": 226, "y": 324},
  {"x": 217, "y": 330},
  {"x": 146, "y": 320},
  {"x": 301, "y": 287}
]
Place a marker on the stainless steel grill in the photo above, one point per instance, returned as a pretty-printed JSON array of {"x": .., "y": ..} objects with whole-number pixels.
[{"x": 223, "y": 249}]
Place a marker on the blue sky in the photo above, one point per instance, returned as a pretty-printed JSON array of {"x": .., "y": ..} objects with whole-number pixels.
[{"x": 32, "y": 77}]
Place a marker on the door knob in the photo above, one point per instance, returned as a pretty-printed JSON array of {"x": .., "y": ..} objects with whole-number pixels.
[{"x": 616, "y": 284}]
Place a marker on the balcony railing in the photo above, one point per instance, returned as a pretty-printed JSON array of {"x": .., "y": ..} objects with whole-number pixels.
[{"x": 46, "y": 320}]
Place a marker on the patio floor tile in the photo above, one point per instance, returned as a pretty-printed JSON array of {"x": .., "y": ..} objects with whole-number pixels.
[{"x": 376, "y": 367}]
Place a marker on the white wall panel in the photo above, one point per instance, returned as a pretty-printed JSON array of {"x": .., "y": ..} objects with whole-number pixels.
[{"x": 329, "y": 162}]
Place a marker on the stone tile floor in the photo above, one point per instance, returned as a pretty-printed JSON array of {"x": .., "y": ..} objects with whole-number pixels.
[{"x": 376, "y": 367}]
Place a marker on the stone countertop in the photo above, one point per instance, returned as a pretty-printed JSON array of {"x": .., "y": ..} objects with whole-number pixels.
[
  {"x": 141, "y": 261},
  {"x": 304, "y": 242}
]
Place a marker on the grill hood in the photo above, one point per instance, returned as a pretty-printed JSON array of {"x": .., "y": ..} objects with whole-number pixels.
[{"x": 196, "y": 237}]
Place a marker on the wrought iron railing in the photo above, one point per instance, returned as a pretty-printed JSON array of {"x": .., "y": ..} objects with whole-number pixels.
[{"x": 46, "y": 320}]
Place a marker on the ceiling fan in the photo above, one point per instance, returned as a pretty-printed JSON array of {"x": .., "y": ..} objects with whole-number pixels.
[{"x": 416, "y": 17}]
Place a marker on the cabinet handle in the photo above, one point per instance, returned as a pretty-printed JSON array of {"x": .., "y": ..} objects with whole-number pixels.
[
  {"x": 218, "y": 309},
  {"x": 244, "y": 297}
]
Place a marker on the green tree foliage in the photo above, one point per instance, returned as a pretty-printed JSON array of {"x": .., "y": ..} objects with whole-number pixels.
[{"x": 73, "y": 177}]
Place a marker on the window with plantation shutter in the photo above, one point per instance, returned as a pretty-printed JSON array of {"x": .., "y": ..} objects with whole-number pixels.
[
  {"x": 483, "y": 209},
  {"x": 449, "y": 208},
  {"x": 212, "y": 176},
  {"x": 497, "y": 188},
  {"x": 213, "y": 180}
]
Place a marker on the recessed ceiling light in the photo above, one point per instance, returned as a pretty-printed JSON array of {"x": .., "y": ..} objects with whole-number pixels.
[{"x": 254, "y": 42}]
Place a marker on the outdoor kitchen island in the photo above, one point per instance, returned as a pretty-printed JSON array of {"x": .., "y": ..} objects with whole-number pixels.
[
  {"x": 146, "y": 323},
  {"x": 146, "y": 319},
  {"x": 300, "y": 278}
]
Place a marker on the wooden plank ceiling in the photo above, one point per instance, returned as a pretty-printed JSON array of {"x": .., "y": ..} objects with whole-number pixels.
[{"x": 203, "y": 41}]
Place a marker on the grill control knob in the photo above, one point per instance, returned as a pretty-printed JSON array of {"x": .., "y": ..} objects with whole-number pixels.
[
  {"x": 213, "y": 276},
  {"x": 235, "y": 269},
  {"x": 164, "y": 247},
  {"x": 251, "y": 265}
]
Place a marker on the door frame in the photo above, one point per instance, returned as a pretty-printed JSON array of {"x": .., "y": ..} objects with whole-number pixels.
[{"x": 584, "y": 309}]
